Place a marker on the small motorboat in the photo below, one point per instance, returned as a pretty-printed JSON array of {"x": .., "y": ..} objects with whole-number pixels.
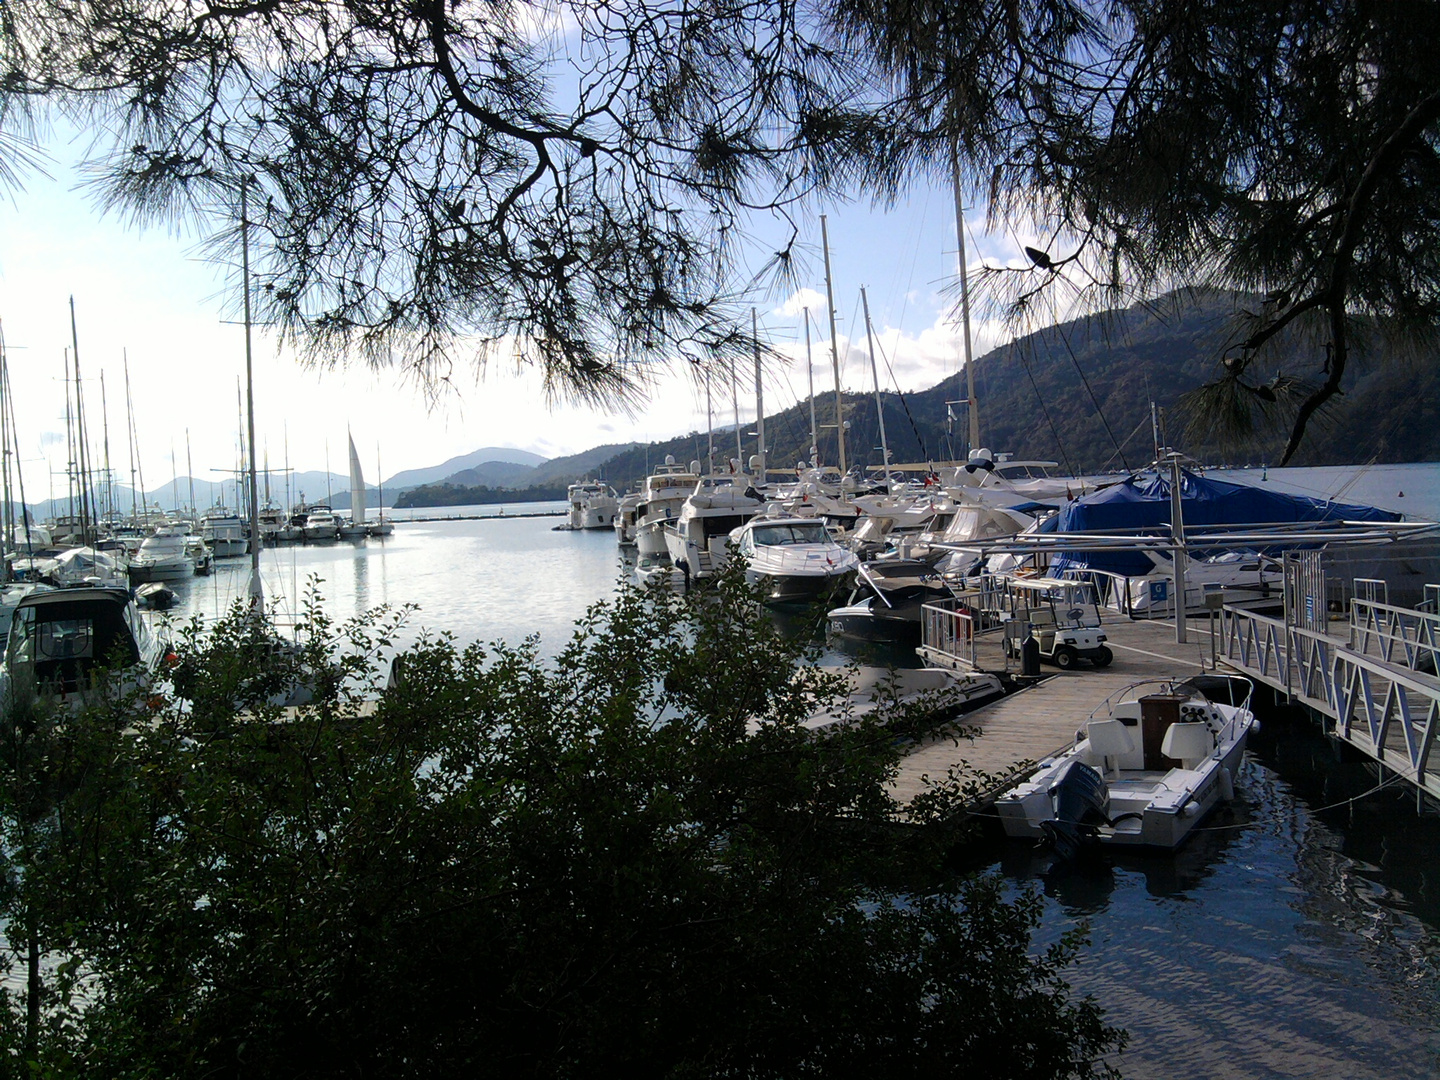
[
  {"x": 1147, "y": 767},
  {"x": 887, "y": 600},
  {"x": 155, "y": 595}
]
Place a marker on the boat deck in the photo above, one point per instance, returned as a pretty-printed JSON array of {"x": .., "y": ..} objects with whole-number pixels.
[{"x": 1013, "y": 733}]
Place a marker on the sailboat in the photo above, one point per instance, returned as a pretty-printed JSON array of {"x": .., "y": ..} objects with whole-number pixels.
[
  {"x": 379, "y": 527},
  {"x": 355, "y": 528}
]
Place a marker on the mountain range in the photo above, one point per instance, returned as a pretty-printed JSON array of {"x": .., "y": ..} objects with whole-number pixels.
[{"x": 1078, "y": 393}]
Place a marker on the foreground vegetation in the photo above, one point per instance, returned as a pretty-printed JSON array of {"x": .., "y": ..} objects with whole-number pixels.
[{"x": 569, "y": 868}]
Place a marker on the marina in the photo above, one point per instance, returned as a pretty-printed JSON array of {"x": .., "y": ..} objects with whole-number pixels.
[{"x": 1312, "y": 891}]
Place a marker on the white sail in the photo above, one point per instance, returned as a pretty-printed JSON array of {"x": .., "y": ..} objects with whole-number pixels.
[{"x": 357, "y": 487}]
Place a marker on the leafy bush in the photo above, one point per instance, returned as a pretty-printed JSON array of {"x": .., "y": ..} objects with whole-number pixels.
[{"x": 632, "y": 860}]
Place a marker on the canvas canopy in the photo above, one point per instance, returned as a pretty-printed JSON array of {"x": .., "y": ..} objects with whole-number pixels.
[{"x": 1143, "y": 503}]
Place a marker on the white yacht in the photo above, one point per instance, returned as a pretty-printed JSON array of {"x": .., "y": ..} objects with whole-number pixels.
[
  {"x": 625, "y": 519},
  {"x": 1146, "y": 767},
  {"x": 661, "y": 497},
  {"x": 166, "y": 555},
  {"x": 223, "y": 533},
  {"x": 698, "y": 537},
  {"x": 321, "y": 524},
  {"x": 593, "y": 505},
  {"x": 792, "y": 558}
]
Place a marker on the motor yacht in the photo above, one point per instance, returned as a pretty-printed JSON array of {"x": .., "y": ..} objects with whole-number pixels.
[
  {"x": 660, "y": 498},
  {"x": 223, "y": 533},
  {"x": 321, "y": 524},
  {"x": 165, "y": 555},
  {"x": 593, "y": 505},
  {"x": 792, "y": 558},
  {"x": 697, "y": 540}
]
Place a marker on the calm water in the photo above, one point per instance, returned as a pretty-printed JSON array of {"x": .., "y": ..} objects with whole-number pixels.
[{"x": 1298, "y": 937}]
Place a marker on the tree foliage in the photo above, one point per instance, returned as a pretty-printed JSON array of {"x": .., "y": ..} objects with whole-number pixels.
[
  {"x": 1284, "y": 148},
  {"x": 573, "y": 182},
  {"x": 630, "y": 860}
]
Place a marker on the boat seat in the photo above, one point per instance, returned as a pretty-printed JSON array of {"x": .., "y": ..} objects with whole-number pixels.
[
  {"x": 1188, "y": 742},
  {"x": 1109, "y": 741}
]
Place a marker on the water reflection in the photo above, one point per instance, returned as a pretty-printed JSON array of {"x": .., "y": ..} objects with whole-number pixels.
[{"x": 1296, "y": 937}]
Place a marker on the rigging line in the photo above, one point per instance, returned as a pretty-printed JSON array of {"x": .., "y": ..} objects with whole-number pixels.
[
  {"x": 1098, "y": 411},
  {"x": 924, "y": 450},
  {"x": 1144, "y": 422},
  {"x": 1064, "y": 457}
]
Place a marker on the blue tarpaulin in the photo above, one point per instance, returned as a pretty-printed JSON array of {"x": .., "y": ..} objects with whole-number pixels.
[{"x": 1144, "y": 503}]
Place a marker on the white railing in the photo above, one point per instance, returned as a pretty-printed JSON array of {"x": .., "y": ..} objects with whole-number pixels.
[
  {"x": 1388, "y": 712},
  {"x": 947, "y": 630},
  {"x": 1401, "y": 636}
]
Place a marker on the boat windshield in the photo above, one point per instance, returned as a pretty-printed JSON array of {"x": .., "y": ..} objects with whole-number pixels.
[{"x": 799, "y": 532}]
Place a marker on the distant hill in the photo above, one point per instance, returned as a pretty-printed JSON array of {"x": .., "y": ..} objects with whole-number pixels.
[
  {"x": 475, "y": 459},
  {"x": 1034, "y": 402}
]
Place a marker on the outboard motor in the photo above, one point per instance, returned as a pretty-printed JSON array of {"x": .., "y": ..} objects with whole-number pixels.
[{"x": 1082, "y": 801}]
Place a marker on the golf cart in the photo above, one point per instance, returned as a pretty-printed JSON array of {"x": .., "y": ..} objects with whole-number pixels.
[{"x": 1062, "y": 618}]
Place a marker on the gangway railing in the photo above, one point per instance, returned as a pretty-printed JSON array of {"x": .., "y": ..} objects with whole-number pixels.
[
  {"x": 1402, "y": 636},
  {"x": 1388, "y": 712}
]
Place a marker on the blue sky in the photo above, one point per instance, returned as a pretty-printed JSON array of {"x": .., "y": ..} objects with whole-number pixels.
[{"x": 147, "y": 294}]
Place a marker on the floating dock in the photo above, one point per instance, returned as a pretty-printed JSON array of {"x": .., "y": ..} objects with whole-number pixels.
[
  {"x": 1018, "y": 730},
  {"x": 1368, "y": 675}
]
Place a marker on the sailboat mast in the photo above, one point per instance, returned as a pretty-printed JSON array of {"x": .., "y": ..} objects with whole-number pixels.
[
  {"x": 810, "y": 374},
  {"x": 86, "y": 502},
  {"x": 69, "y": 443},
  {"x": 256, "y": 591},
  {"x": 735, "y": 403},
  {"x": 709, "y": 427},
  {"x": 190, "y": 475},
  {"x": 875, "y": 374},
  {"x": 105, "y": 428},
  {"x": 9, "y": 538},
  {"x": 834, "y": 343},
  {"x": 130, "y": 434},
  {"x": 971, "y": 406},
  {"x": 759, "y": 396}
]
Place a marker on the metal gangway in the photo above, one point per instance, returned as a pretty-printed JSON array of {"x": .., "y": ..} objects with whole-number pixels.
[{"x": 1370, "y": 673}]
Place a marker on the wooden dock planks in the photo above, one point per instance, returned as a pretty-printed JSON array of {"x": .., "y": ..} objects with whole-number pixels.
[{"x": 1039, "y": 720}]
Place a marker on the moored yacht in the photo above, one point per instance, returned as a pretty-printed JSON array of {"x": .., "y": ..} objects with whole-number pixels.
[
  {"x": 223, "y": 533},
  {"x": 661, "y": 497},
  {"x": 697, "y": 540},
  {"x": 792, "y": 558},
  {"x": 321, "y": 524},
  {"x": 593, "y": 505},
  {"x": 166, "y": 555}
]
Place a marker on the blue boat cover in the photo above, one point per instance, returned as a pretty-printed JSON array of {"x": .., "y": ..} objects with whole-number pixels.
[{"x": 1144, "y": 503}]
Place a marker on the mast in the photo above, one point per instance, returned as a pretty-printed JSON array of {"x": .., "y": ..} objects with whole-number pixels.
[
  {"x": 109, "y": 506},
  {"x": 759, "y": 395},
  {"x": 69, "y": 444},
  {"x": 875, "y": 374},
  {"x": 735, "y": 402},
  {"x": 190, "y": 475},
  {"x": 709, "y": 427},
  {"x": 9, "y": 538},
  {"x": 810, "y": 374},
  {"x": 257, "y": 593},
  {"x": 85, "y": 501},
  {"x": 834, "y": 344},
  {"x": 130, "y": 437},
  {"x": 971, "y": 407}
]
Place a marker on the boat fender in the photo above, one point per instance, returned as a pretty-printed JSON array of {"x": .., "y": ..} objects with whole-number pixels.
[
  {"x": 1227, "y": 785},
  {"x": 1190, "y": 809}
]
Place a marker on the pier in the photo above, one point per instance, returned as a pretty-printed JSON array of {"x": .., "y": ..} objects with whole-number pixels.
[
  {"x": 1020, "y": 729},
  {"x": 1368, "y": 674}
]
